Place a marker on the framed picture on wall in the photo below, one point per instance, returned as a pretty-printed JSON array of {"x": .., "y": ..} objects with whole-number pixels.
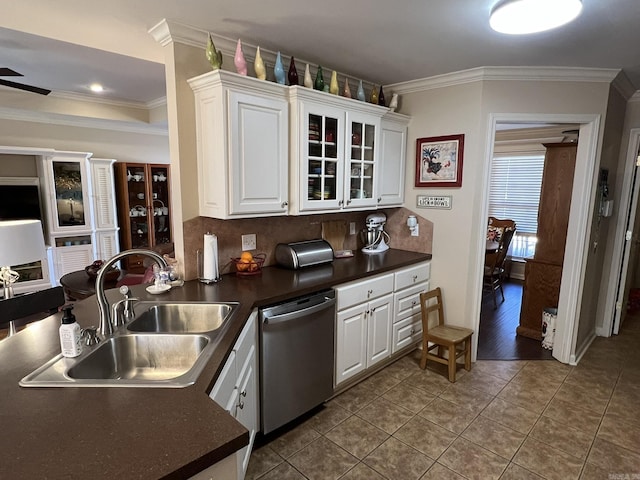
[{"x": 439, "y": 161}]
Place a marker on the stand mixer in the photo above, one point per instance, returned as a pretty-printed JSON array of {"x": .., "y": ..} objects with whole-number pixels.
[{"x": 374, "y": 235}]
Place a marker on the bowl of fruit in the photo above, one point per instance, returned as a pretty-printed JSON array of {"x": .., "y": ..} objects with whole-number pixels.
[
  {"x": 92, "y": 270},
  {"x": 249, "y": 264}
]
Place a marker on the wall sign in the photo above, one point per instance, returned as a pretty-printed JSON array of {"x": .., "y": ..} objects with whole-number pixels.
[{"x": 434, "y": 201}]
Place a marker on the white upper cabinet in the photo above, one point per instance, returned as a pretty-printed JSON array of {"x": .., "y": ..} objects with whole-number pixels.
[
  {"x": 392, "y": 163},
  {"x": 242, "y": 134},
  {"x": 334, "y": 152},
  {"x": 267, "y": 149}
]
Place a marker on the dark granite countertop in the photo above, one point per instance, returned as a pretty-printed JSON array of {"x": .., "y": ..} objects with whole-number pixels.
[{"x": 144, "y": 433}]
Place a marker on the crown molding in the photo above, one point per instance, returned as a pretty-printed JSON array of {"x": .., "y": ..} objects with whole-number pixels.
[
  {"x": 544, "y": 74},
  {"x": 635, "y": 97},
  {"x": 82, "y": 97},
  {"x": 82, "y": 122},
  {"x": 623, "y": 85}
]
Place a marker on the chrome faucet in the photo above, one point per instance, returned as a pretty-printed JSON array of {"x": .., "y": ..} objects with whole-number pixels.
[
  {"x": 119, "y": 318},
  {"x": 106, "y": 326}
]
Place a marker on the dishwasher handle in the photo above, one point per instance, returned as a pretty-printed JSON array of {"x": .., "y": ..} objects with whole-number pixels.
[{"x": 285, "y": 317}]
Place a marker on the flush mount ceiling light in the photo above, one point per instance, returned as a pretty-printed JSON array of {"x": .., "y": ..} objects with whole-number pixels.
[
  {"x": 96, "y": 88},
  {"x": 531, "y": 16}
]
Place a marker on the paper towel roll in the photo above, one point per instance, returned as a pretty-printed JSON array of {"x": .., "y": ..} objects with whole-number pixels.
[{"x": 210, "y": 260}]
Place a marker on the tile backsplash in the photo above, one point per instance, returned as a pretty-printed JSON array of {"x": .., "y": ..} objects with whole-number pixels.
[{"x": 273, "y": 230}]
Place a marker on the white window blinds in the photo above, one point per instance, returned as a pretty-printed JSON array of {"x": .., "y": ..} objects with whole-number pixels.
[{"x": 515, "y": 190}]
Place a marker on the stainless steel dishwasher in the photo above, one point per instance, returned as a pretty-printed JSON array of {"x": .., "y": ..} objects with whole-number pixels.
[{"x": 296, "y": 357}]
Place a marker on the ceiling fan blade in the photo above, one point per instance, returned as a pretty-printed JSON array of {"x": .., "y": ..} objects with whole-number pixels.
[
  {"x": 22, "y": 86},
  {"x": 7, "y": 72}
]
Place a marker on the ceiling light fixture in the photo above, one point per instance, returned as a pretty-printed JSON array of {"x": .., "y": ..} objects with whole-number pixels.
[
  {"x": 530, "y": 16},
  {"x": 96, "y": 88}
]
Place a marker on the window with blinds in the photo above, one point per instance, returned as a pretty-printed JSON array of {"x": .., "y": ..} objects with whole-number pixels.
[{"x": 515, "y": 193}]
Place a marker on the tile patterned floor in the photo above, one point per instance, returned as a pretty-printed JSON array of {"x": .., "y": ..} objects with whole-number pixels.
[{"x": 502, "y": 420}]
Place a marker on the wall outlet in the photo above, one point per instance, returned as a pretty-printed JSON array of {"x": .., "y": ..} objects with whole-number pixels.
[
  {"x": 249, "y": 242},
  {"x": 352, "y": 228}
]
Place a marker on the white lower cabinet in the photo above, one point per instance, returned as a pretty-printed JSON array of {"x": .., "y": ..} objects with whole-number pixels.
[
  {"x": 377, "y": 318},
  {"x": 363, "y": 336},
  {"x": 236, "y": 390},
  {"x": 363, "y": 330}
]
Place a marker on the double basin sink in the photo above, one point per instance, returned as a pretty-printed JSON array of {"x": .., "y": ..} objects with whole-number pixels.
[{"x": 167, "y": 344}]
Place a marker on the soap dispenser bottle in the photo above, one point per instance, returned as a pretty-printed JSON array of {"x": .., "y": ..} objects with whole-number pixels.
[{"x": 70, "y": 334}]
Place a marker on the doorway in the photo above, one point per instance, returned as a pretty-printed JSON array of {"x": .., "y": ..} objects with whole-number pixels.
[
  {"x": 625, "y": 267},
  {"x": 515, "y": 185},
  {"x": 579, "y": 220}
]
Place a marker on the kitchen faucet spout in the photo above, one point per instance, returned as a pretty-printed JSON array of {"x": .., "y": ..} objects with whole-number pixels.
[{"x": 106, "y": 326}]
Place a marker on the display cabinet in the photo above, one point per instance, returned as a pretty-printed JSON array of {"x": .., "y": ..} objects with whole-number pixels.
[
  {"x": 80, "y": 218},
  {"x": 144, "y": 208},
  {"x": 334, "y": 152}
]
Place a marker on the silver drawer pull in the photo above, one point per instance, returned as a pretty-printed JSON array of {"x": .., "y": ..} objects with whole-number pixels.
[
  {"x": 369, "y": 292},
  {"x": 415, "y": 277}
]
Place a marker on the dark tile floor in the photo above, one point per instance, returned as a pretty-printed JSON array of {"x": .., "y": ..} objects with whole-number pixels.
[{"x": 503, "y": 419}]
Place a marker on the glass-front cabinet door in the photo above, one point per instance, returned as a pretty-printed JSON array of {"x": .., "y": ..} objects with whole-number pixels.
[
  {"x": 159, "y": 190},
  {"x": 66, "y": 187},
  {"x": 361, "y": 166},
  {"x": 323, "y": 140}
]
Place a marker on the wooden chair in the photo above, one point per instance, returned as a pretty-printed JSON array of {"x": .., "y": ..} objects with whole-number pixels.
[
  {"x": 23, "y": 309},
  {"x": 443, "y": 336},
  {"x": 494, "y": 264}
]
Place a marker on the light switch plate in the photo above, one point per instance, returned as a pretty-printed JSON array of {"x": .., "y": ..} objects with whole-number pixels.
[{"x": 249, "y": 242}]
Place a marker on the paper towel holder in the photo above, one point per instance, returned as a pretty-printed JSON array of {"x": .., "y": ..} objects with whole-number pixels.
[{"x": 200, "y": 269}]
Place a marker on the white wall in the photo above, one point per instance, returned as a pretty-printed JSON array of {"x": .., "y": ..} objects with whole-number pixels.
[
  {"x": 467, "y": 109},
  {"x": 448, "y": 111}
]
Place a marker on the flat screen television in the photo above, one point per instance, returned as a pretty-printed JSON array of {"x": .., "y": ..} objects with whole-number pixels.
[{"x": 20, "y": 199}]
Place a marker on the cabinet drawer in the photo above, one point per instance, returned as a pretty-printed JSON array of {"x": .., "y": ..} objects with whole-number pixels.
[
  {"x": 412, "y": 275},
  {"x": 407, "y": 301},
  {"x": 362, "y": 291},
  {"x": 406, "y": 332}
]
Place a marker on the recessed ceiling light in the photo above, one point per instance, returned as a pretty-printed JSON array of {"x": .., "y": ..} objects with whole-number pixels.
[
  {"x": 531, "y": 16},
  {"x": 96, "y": 88}
]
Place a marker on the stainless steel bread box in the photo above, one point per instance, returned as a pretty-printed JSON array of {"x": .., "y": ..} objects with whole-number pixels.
[{"x": 303, "y": 254}]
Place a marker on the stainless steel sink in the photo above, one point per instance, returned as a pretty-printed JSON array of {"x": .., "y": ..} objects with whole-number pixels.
[
  {"x": 130, "y": 360},
  {"x": 166, "y": 345},
  {"x": 180, "y": 317},
  {"x": 141, "y": 357}
]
